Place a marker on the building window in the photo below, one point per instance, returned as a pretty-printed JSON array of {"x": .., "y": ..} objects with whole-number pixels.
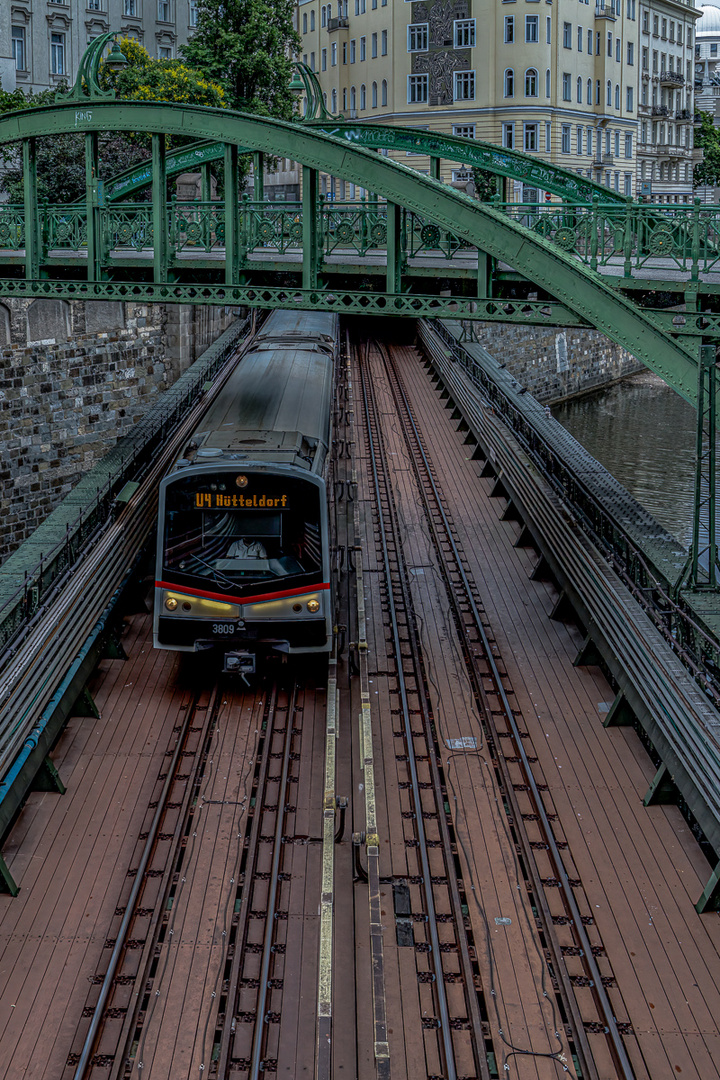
[
  {"x": 664, "y": 29},
  {"x": 383, "y": 98},
  {"x": 94, "y": 5},
  {"x": 464, "y": 33},
  {"x": 363, "y": 48},
  {"x": 565, "y": 139},
  {"x": 363, "y": 97},
  {"x": 579, "y": 91},
  {"x": 631, "y": 53},
  {"x": 609, "y": 45},
  {"x": 333, "y": 54},
  {"x": 580, "y": 39},
  {"x": 567, "y": 94},
  {"x": 312, "y": 61},
  {"x": 617, "y": 144},
  {"x": 646, "y": 22},
  {"x": 353, "y": 99},
  {"x": 193, "y": 16},
  {"x": 508, "y": 136},
  {"x": 164, "y": 52},
  {"x": 18, "y": 48},
  {"x": 531, "y": 83},
  {"x": 589, "y": 42},
  {"x": 617, "y": 49},
  {"x": 464, "y": 86},
  {"x": 567, "y": 35},
  {"x": 323, "y": 59},
  {"x": 579, "y": 140},
  {"x": 530, "y": 134},
  {"x": 417, "y": 89},
  {"x": 333, "y": 100},
  {"x": 589, "y": 140},
  {"x": 628, "y": 146},
  {"x": 344, "y": 52},
  {"x": 629, "y": 99},
  {"x": 655, "y": 26},
  {"x": 323, "y": 16},
  {"x": 131, "y": 7},
  {"x": 373, "y": 45},
  {"x": 163, "y": 11},
  {"x": 464, "y": 131},
  {"x": 609, "y": 93},
  {"x": 589, "y": 91},
  {"x": 417, "y": 37},
  {"x": 531, "y": 28},
  {"x": 509, "y": 29},
  {"x": 374, "y": 95},
  {"x": 57, "y": 54},
  {"x": 509, "y": 90},
  {"x": 547, "y": 82},
  {"x": 547, "y": 136},
  {"x": 383, "y": 43},
  {"x": 312, "y": 20},
  {"x": 597, "y": 92},
  {"x": 597, "y": 43},
  {"x": 353, "y": 48},
  {"x": 305, "y": 23},
  {"x": 617, "y": 96},
  {"x": 644, "y": 56}
]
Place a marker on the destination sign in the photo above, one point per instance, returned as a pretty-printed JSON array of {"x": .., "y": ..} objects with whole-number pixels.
[{"x": 215, "y": 500}]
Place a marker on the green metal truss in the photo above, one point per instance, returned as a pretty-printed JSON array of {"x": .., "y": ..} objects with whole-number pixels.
[
  {"x": 469, "y": 152},
  {"x": 579, "y": 289}
]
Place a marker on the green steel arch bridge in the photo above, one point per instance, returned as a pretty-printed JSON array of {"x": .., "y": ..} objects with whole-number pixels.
[{"x": 415, "y": 248}]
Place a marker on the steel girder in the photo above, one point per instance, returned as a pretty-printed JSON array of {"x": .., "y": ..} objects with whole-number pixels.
[
  {"x": 581, "y": 290},
  {"x": 471, "y": 152}
]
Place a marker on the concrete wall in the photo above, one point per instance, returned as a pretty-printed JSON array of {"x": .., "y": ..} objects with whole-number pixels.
[
  {"x": 554, "y": 363},
  {"x": 75, "y": 377}
]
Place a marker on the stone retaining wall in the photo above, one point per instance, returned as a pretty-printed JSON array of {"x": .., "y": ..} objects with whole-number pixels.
[
  {"x": 553, "y": 363},
  {"x": 76, "y": 377}
]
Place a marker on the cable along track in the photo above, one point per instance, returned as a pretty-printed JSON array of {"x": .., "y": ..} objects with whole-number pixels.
[{"x": 588, "y": 1016}]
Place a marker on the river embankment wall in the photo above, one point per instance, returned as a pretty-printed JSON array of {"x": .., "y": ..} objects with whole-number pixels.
[{"x": 75, "y": 377}]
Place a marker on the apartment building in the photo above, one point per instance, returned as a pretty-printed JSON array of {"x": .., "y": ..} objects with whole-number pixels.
[
  {"x": 45, "y": 40},
  {"x": 557, "y": 78},
  {"x": 667, "y": 101}
]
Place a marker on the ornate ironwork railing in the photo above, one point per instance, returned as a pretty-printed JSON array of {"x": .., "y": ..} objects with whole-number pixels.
[{"x": 631, "y": 238}]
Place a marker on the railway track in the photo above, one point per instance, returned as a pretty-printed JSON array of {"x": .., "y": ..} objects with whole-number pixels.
[{"x": 578, "y": 984}]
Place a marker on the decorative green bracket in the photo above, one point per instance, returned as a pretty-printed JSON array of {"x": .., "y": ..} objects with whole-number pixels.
[{"x": 87, "y": 85}]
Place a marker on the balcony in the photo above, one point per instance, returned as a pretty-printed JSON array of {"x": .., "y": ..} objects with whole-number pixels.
[
  {"x": 684, "y": 114},
  {"x": 660, "y": 110},
  {"x": 340, "y": 23},
  {"x": 605, "y": 11},
  {"x": 604, "y": 161},
  {"x": 671, "y": 78}
]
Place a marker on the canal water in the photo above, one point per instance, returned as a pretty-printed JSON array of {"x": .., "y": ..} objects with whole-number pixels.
[{"x": 644, "y": 434}]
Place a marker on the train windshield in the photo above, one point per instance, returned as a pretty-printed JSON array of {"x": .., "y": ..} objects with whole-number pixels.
[{"x": 235, "y": 533}]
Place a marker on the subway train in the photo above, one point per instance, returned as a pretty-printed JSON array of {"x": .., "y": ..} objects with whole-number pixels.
[{"x": 242, "y": 562}]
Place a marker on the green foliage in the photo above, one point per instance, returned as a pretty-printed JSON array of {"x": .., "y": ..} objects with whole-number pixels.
[
  {"x": 707, "y": 138},
  {"x": 146, "y": 79},
  {"x": 18, "y": 99},
  {"x": 246, "y": 46},
  {"x": 486, "y": 184}
]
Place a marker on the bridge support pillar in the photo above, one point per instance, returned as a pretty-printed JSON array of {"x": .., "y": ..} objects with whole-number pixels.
[
  {"x": 159, "y": 211},
  {"x": 232, "y": 239},
  {"x": 435, "y": 168},
  {"x": 258, "y": 178},
  {"x": 311, "y": 247},
  {"x": 30, "y": 199},
  {"x": 394, "y": 248},
  {"x": 91, "y": 206}
]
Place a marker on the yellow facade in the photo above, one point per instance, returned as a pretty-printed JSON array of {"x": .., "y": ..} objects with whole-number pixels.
[{"x": 559, "y": 78}]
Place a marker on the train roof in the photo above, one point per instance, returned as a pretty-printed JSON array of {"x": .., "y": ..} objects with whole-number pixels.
[
  {"x": 275, "y": 407},
  {"x": 286, "y": 329}
]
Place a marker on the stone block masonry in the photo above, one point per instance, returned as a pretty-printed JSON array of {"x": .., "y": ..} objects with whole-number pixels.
[
  {"x": 75, "y": 378},
  {"x": 554, "y": 363}
]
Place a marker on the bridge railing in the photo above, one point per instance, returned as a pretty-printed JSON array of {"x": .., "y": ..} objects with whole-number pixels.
[{"x": 628, "y": 238}]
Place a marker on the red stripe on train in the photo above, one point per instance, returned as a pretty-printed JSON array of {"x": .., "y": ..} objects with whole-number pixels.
[{"x": 245, "y": 599}]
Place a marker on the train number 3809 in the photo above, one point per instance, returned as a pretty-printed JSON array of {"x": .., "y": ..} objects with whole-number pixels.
[{"x": 223, "y": 628}]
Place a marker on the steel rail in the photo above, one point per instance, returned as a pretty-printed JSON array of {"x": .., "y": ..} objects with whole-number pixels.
[
  {"x": 38, "y": 666},
  {"x": 93, "y": 1031},
  {"x": 602, "y": 1000},
  {"x": 256, "y": 1066},
  {"x": 439, "y": 982}
]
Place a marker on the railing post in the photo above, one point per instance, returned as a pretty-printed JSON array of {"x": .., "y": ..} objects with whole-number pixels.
[
  {"x": 232, "y": 267},
  {"x": 159, "y": 210},
  {"x": 92, "y": 230},
  {"x": 258, "y": 180},
  {"x": 594, "y": 225},
  {"x": 205, "y": 183},
  {"x": 30, "y": 198},
  {"x": 627, "y": 239},
  {"x": 435, "y": 168},
  {"x": 695, "y": 246},
  {"x": 394, "y": 248},
  {"x": 310, "y": 209}
]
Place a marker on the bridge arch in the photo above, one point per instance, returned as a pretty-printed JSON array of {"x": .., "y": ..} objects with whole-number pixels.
[{"x": 581, "y": 290}]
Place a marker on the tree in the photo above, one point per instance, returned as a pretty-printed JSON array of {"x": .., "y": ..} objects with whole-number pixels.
[
  {"x": 247, "y": 46},
  {"x": 146, "y": 79},
  {"x": 707, "y": 138}
]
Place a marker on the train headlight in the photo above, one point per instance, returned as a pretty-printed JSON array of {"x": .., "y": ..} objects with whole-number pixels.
[
  {"x": 171, "y": 603},
  {"x": 241, "y": 481},
  {"x": 313, "y": 606}
]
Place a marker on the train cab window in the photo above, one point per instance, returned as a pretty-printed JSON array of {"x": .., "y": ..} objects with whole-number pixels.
[{"x": 268, "y": 531}]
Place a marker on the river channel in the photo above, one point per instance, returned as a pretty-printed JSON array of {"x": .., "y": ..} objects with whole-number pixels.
[{"x": 644, "y": 434}]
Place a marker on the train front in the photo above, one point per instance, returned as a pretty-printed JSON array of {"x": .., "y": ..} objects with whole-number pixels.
[{"x": 243, "y": 564}]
